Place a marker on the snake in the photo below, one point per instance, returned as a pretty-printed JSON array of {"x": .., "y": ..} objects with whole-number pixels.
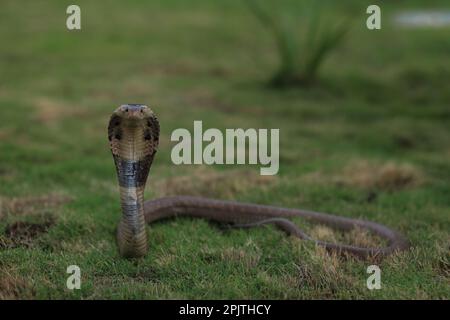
[{"x": 133, "y": 134}]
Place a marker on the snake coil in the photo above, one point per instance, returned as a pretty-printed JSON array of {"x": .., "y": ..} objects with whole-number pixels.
[{"x": 133, "y": 133}]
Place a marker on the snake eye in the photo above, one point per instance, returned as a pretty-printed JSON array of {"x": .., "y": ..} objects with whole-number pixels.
[{"x": 126, "y": 109}]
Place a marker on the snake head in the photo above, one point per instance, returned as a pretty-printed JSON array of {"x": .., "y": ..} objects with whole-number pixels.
[
  {"x": 134, "y": 116},
  {"x": 133, "y": 113}
]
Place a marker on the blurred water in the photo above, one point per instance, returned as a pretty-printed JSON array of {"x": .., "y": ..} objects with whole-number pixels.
[{"x": 431, "y": 19}]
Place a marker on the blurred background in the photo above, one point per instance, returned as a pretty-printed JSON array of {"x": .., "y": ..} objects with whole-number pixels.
[{"x": 364, "y": 132}]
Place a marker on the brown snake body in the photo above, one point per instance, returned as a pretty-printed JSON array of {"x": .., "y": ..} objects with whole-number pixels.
[{"x": 133, "y": 133}]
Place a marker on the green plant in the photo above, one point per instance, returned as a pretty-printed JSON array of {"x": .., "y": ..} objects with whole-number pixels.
[{"x": 300, "y": 54}]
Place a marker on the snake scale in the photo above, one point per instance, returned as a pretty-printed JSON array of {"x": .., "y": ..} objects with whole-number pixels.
[{"x": 133, "y": 133}]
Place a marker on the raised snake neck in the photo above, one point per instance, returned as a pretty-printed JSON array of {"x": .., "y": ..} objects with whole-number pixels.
[{"x": 133, "y": 133}]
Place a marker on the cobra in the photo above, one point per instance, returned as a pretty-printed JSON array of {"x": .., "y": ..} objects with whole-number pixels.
[{"x": 133, "y": 134}]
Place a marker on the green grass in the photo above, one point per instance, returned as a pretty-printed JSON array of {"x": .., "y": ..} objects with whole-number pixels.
[
  {"x": 370, "y": 139},
  {"x": 301, "y": 53}
]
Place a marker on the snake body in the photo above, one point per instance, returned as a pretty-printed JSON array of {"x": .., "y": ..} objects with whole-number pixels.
[{"x": 133, "y": 133}]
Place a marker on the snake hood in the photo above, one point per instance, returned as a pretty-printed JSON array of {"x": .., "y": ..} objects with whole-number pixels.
[{"x": 133, "y": 133}]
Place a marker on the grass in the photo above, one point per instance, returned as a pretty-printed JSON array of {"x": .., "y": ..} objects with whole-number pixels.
[
  {"x": 369, "y": 139},
  {"x": 300, "y": 53}
]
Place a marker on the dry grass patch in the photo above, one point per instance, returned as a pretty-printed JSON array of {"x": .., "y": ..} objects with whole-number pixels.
[
  {"x": 165, "y": 259},
  {"x": 23, "y": 234},
  {"x": 50, "y": 111},
  {"x": 363, "y": 238},
  {"x": 206, "y": 99},
  {"x": 31, "y": 205},
  {"x": 327, "y": 274},
  {"x": 4, "y": 133},
  {"x": 442, "y": 265},
  {"x": 368, "y": 175},
  {"x": 357, "y": 236},
  {"x": 170, "y": 69},
  {"x": 13, "y": 286},
  {"x": 247, "y": 258},
  {"x": 387, "y": 176},
  {"x": 130, "y": 287},
  {"x": 330, "y": 262},
  {"x": 210, "y": 183},
  {"x": 444, "y": 268},
  {"x": 323, "y": 233},
  {"x": 7, "y": 175}
]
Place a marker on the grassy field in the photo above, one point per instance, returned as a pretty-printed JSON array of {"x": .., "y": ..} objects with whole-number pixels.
[{"x": 370, "y": 139}]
